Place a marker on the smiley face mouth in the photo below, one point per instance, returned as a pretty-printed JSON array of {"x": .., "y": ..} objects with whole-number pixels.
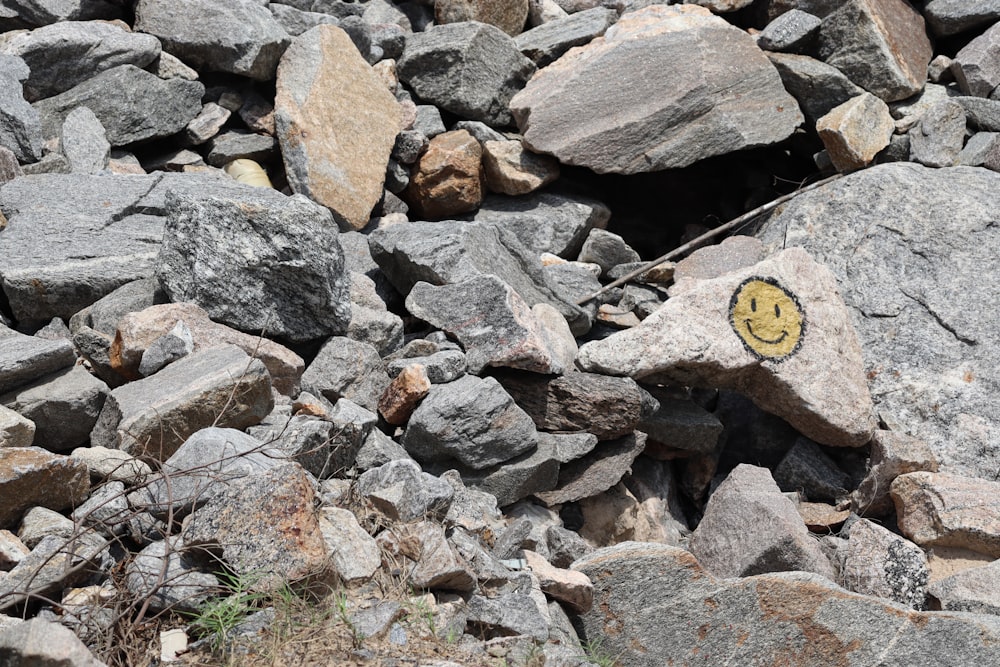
[{"x": 784, "y": 334}]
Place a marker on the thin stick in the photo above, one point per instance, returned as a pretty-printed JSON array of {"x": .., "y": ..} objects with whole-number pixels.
[{"x": 694, "y": 243}]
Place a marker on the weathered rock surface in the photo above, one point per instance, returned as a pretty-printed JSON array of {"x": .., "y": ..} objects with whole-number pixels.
[
  {"x": 917, "y": 326},
  {"x": 654, "y": 600},
  {"x": 31, "y": 476},
  {"x": 547, "y": 42},
  {"x": 24, "y": 359},
  {"x": 679, "y": 426},
  {"x": 938, "y": 137},
  {"x": 349, "y": 369},
  {"x": 84, "y": 142},
  {"x": 508, "y": 15},
  {"x": 876, "y": 561},
  {"x": 854, "y": 132},
  {"x": 597, "y": 471},
  {"x": 816, "y": 86},
  {"x": 973, "y": 589},
  {"x": 750, "y": 528},
  {"x": 790, "y": 347},
  {"x": 171, "y": 578},
  {"x": 353, "y": 552},
  {"x": 20, "y": 128},
  {"x": 977, "y": 66},
  {"x": 892, "y": 455},
  {"x": 332, "y": 153},
  {"x": 590, "y": 109},
  {"x": 41, "y": 642},
  {"x": 947, "y": 17},
  {"x": 15, "y": 430},
  {"x": 257, "y": 261},
  {"x": 510, "y": 169},
  {"x": 240, "y": 37},
  {"x": 808, "y": 469},
  {"x": 405, "y": 493},
  {"x": 447, "y": 178}
]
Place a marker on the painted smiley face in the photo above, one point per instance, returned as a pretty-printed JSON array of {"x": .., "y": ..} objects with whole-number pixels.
[{"x": 767, "y": 318}]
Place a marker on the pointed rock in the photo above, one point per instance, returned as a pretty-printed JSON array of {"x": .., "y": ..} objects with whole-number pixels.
[{"x": 854, "y": 132}]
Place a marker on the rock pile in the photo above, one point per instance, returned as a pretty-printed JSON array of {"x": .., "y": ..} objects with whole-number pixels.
[{"x": 308, "y": 293}]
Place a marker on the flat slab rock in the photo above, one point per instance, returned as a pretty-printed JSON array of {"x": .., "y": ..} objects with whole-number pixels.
[
  {"x": 654, "y": 600},
  {"x": 776, "y": 331},
  {"x": 915, "y": 293},
  {"x": 703, "y": 88}
]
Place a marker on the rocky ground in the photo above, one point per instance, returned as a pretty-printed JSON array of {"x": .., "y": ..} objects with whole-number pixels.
[{"x": 326, "y": 335}]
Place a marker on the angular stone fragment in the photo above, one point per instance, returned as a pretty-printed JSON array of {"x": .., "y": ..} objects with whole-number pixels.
[
  {"x": 428, "y": 560},
  {"x": 333, "y": 153},
  {"x": 64, "y": 407},
  {"x": 259, "y": 262},
  {"x": 948, "y": 17},
  {"x": 977, "y": 66},
  {"x": 750, "y": 528},
  {"x": 470, "y": 69},
  {"x": 785, "y": 341},
  {"x": 371, "y": 320},
  {"x": 353, "y": 552},
  {"x": 593, "y": 107},
  {"x": 973, "y": 589},
  {"x": 450, "y": 252},
  {"x": 569, "y": 586},
  {"x": 789, "y": 32},
  {"x": 15, "y": 430},
  {"x": 815, "y": 85},
  {"x": 349, "y": 369},
  {"x": 937, "y": 139},
  {"x": 265, "y": 527},
  {"x": 523, "y": 476},
  {"x": 27, "y": 358},
  {"x": 112, "y": 465},
  {"x": 940, "y": 509},
  {"x": 981, "y": 150},
  {"x": 881, "y": 45},
  {"x": 493, "y": 323},
  {"x": 472, "y": 420},
  {"x": 546, "y": 221},
  {"x": 878, "y": 562},
  {"x": 607, "y": 250},
  {"x": 548, "y": 41},
  {"x": 447, "y": 178},
  {"x": 508, "y": 15},
  {"x": 403, "y": 394},
  {"x": 597, "y": 471},
  {"x": 854, "y": 132},
  {"x": 151, "y": 417},
  {"x": 608, "y": 407},
  {"x": 40, "y": 642},
  {"x": 511, "y": 170},
  {"x": 62, "y": 55},
  {"x": 84, "y": 143},
  {"x": 324, "y": 447},
  {"x": 510, "y": 614},
  {"x": 403, "y": 492},
  {"x": 240, "y": 37},
  {"x": 31, "y": 476},
  {"x": 679, "y": 425},
  {"x": 138, "y": 330},
  {"x": 892, "y": 454},
  {"x": 806, "y": 468},
  {"x": 132, "y": 104},
  {"x": 169, "y": 577},
  {"x": 20, "y": 129}
]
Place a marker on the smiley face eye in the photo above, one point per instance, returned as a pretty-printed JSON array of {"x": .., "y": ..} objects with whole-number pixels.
[
  {"x": 753, "y": 305},
  {"x": 777, "y": 311}
]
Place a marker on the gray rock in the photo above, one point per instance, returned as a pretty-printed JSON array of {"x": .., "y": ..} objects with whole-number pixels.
[
  {"x": 20, "y": 125},
  {"x": 546, "y": 221},
  {"x": 597, "y": 471},
  {"x": 201, "y": 468},
  {"x": 169, "y": 577},
  {"x": 480, "y": 131},
  {"x": 44, "y": 12},
  {"x": 593, "y": 107},
  {"x": 982, "y": 114},
  {"x": 654, "y": 485},
  {"x": 637, "y": 586},
  {"x": 409, "y": 146},
  {"x": 241, "y": 37},
  {"x": 403, "y": 492},
  {"x": 971, "y": 590},
  {"x": 64, "y": 54},
  {"x": 112, "y": 465},
  {"x": 84, "y": 142},
  {"x": 63, "y": 406},
  {"x": 106, "y": 510},
  {"x": 349, "y": 369},
  {"x": 240, "y": 524},
  {"x": 750, "y": 527},
  {"x": 40, "y": 642},
  {"x": 977, "y": 65},
  {"x": 168, "y": 348},
  {"x": 981, "y": 150},
  {"x": 430, "y": 124},
  {"x": 916, "y": 325},
  {"x": 528, "y": 474},
  {"x": 132, "y": 104},
  {"x": 807, "y": 469},
  {"x": 472, "y": 510},
  {"x": 206, "y": 124},
  {"x": 550, "y": 40},
  {"x": 892, "y": 455},
  {"x": 495, "y": 325},
  {"x": 607, "y": 250},
  {"x": 878, "y": 562},
  {"x": 948, "y": 17},
  {"x": 880, "y": 45},
  {"x": 296, "y": 21},
  {"x": 790, "y": 32},
  {"x": 450, "y": 252},
  {"x": 470, "y": 69},
  {"x": 815, "y": 85},
  {"x": 24, "y": 359},
  {"x": 152, "y": 417},
  {"x": 15, "y": 430},
  {"x": 608, "y": 407},
  {"x": 95, "y": 350},
  {"x": 236, "y": 145},
  {"x": 441, "y": 367},
  {"x": 257, "y": 261},
  {"x": 31, "y": 476},
  {"x": 354, "y": 553},
  {"x": 565, "y": 546},
  {"x": 371, "y": 321},
  {"x": 471, "y": 420},
  {"x": 801, "y": 350},
  {"x": 40, "y": 522},
  {"x": 910, "y": 111},
  {"x": 510, "y": 614},
  {"x": 680, "y": 424},
  {"x": 9, "y": 166}
]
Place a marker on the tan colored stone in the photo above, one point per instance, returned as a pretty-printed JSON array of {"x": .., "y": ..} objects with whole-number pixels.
[
  {"x": 855, "y": 131},
  {"x": 892, "y": 454},
  {"x": 401, "y": 397},
  {"x": 512, "y": 170},
  {"x": 617, "y": 317},
  {"x": 137, "y": 331},
  {"x": 616, "y": 516},
  {"x": 822, "y": 518},
  {"x": 508, "y": 15},
  {"x": 31, "y": 476},
  {"x": 944, "y": 562},
  {"x": 569, "y": 586},
  {"x": 354, "y": 553},
  {"x": 447, "y": 179},
  {"x": 12, "y": 550},
  {"x": 112, "y": 465},
  {"x": 15, "y": 430},
  {"x": 940, "y": 509},
  {"x": 336, "y": 123}
]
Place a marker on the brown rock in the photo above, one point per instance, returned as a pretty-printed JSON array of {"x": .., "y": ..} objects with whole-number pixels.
[
  {"x": 401, "y": 397},
  {"x": 617, "y": 516},
  {"x": 854, "y": 132},
  {"x": 447, "y": 179},
  {"x": 573, "y": 588},
  {"x": 512, "y": 170},
  {"x": 508, "y": 15},
  {"x": 335, "y": 145},
  {"x": 31, "y": 476},
  {"x": 892, "y": 455},
  {"x": 939, "y": 509},
  {"x": 136, "y": 331},
  {"x": 822, "y": 518},
  {"x": 943, "y": 562}
]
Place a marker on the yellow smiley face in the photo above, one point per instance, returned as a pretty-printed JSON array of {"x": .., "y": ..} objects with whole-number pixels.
[{"x": 767, "y": 318}]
